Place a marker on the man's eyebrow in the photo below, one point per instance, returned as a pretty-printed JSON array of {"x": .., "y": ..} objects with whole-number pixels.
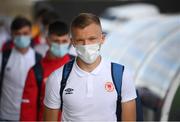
[
  {"x": 78, "y": 39},
  {"x": 92, "y": 37}
]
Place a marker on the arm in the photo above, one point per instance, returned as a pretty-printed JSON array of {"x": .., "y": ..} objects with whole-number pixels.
[
  {"x": 51, "y": 114},
  {"x": 129, "y": 111},
  {"x": 52, "y": 97},
  {"x": 29, "y": 99},
  {"x": 128, "y": 94}
]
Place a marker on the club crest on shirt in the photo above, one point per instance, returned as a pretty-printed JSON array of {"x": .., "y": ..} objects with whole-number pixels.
[{"x": 109, "y": 87}]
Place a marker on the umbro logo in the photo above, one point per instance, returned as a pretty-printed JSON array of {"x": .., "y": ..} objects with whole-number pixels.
[{"x": 69, "y": 91}]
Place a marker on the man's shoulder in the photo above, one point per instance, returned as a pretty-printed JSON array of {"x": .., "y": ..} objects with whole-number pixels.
[
  {"x": 127, "y": 71},
  {"x": 109, "y": 62},
  {"x": 57, "y": 74},
  {"x": 54, "y": 79}
]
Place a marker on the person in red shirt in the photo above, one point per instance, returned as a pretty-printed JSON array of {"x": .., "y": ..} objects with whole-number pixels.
[{"x": 32, "y": 101}]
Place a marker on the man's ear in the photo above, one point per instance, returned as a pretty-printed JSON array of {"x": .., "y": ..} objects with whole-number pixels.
[
  {"x": 12, "y": 34},
  {"x": 102, "y": 38},
  {"x": 31, "y": 34},
  {"x": 72, "y": 42},
  {"x": 48, "y": 41}
]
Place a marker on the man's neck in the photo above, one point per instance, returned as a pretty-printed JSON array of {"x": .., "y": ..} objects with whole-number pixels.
[
  {"x": 88, "y": 67},
  {"x": 51, "y": 56},
  {"x": 22, "y": 50}
]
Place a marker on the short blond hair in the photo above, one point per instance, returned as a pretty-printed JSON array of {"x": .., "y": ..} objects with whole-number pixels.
[{"x": 85, "y": 19}]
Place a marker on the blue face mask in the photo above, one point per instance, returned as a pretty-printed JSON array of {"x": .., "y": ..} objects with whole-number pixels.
[
  {"x": 22, "y": 41},
  {"x": 59, "y": 50}
]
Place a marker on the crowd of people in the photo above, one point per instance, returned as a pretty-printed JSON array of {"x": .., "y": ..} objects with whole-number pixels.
[{"x": 33, "y": 84}]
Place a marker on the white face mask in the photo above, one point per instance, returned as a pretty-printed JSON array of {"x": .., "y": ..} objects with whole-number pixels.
[
  {"x": 88, "y": 53},
  {"x": 59, "y": 50}
]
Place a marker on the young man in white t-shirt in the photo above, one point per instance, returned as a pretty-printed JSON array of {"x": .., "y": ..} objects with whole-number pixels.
[
  {"x": 86, "y": 96},
  {"x": 13, "y": 75}
]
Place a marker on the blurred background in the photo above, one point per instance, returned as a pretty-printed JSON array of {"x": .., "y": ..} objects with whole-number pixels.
[{"x": 144, "y": 35}]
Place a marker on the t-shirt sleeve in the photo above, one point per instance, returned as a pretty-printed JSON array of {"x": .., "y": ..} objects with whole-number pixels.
[
  {"x": 128, "y": 88},
  {"x": 52, "y": 94}
]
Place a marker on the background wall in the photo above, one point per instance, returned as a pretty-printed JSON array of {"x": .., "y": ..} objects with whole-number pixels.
[{"x": 69, "y": 8}]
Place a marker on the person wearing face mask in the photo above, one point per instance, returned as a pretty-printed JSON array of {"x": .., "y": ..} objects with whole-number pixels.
[
  {"x": 41, "y": 43},
  {"x": 39, "y": 40},
  {"x": 88, "y": 93},
  {"x": 14, "y": 66},
  {"x": 57, "y": 55}
]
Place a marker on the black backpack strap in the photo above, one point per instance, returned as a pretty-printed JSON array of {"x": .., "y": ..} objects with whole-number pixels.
[
  {"x": 32, "y": 43},
  {"x": 38, "y": 57},
  {"x": 117, "y": 74},
  {"x": 8, "y": 45},
  {"x": 139, "y": 109},
  {"x": 66, "y": 71},
  {"x": 5, "y": 57},
  {"x": 38, "y": 72},
  {"x": 72, "y": 57}
]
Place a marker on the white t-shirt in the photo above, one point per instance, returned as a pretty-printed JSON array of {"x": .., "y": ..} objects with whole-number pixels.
[
  {"x": 88, "y": 96},
  {"x": 42, "y": 49},
  {"x": 15, "y": 74}
]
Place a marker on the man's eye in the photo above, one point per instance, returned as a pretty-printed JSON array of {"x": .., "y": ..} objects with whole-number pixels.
[
  {"x": 25, "y": 34},
  {"x": 79, "y": 40},
  {"x": 64, "y": 41},
  {"x": 92, "y": 39}
]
